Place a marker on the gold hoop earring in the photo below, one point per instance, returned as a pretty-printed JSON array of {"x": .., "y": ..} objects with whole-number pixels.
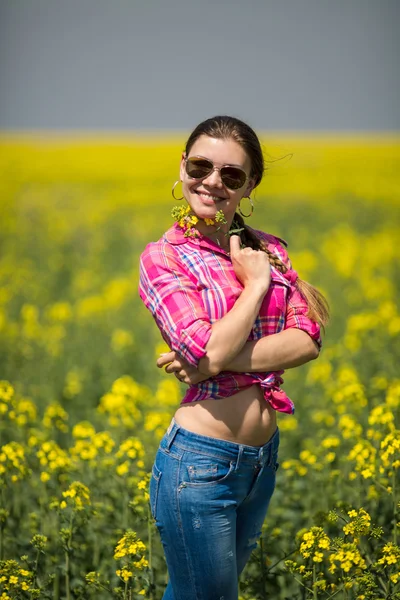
[
  {"x": 173, "y": 190},
  {"x": 252, "y": 207}
]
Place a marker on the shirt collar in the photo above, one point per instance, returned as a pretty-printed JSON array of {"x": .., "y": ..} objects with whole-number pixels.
[{"x": 175, "y": 235}]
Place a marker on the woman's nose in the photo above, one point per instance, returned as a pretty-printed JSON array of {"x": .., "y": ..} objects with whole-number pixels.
[{"x": 214, "y": 178}]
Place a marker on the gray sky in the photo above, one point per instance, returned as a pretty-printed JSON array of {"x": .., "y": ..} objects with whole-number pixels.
[{"x": 168, "y": 64}]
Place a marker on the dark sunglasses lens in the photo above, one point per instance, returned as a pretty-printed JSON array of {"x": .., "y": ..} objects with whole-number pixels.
[
  {"x": 233, "y": 178},
  {"x": 198, "y": 168}
]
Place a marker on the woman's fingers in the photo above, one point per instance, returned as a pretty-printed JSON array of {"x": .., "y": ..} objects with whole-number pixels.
[
  {"x": 234, "y": 243},
  {"x": 250, "y": 266},
  {"x": 165, "y": 358},
  {"x": 176, "y": 365}
]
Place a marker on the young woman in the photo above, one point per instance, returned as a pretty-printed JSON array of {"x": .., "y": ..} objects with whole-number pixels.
[{"x": 235, "y": 315}]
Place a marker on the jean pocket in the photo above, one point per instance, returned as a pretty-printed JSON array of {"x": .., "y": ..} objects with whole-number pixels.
[
  {"x": 154, "y": 489},
  {"x": 205, "y": 471}
]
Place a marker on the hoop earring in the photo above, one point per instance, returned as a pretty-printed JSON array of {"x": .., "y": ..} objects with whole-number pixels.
[
  {"x": 173, "y": 190},
  {"x": 252, "y": 207}
]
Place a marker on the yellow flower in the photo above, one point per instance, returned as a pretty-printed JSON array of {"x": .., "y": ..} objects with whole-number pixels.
[
  {"x": 24, "y": 572},
  {"x": 307, "y": 457},
  {"x": 330, "y": 442},
  {"x": 79, "y": 494},
  {"x": 124, "y": 573},
  {"x": 367, "y": 473},
  {"x": 318, "y": 557},
  {"x": 130, "y": 545},
  {"x": 84, "y": 429},
  {"x": 123, "y": 468}
]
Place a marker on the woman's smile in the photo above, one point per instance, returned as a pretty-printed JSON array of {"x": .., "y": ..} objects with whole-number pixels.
[{"x": 207, "y": 198}]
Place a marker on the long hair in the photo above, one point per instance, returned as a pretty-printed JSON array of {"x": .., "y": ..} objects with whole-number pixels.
[{"x": 226, "y": 127}]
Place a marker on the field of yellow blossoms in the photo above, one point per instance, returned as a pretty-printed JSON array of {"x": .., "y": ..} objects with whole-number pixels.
[{"x": 83, "y": 406}]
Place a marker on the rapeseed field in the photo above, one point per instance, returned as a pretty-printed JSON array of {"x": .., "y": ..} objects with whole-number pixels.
[{"x": 83, "y": 406}]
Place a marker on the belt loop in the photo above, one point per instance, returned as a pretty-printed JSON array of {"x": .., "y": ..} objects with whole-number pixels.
[
  {"x": 239, "y": 457},
  {"x": 171, "y": 433}
]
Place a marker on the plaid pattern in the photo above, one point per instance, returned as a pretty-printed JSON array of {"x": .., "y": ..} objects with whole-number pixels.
[{"x": 189, "y": 283}]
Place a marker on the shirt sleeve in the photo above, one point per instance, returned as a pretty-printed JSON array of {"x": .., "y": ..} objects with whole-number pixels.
[
  {"x": 296, "y": 315},
  {"x": 296, "y": 307},
  {"x": 174, "y": 301}
]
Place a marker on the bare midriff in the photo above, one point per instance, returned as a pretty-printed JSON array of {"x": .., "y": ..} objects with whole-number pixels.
[{"x": 244, "y": 418}]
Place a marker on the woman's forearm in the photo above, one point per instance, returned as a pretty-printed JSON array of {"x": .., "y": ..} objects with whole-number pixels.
[
  {"x": 283, "y": 350},
  {"x": 229, "y": 334}
]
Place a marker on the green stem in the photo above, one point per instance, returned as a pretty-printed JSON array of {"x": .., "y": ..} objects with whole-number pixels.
[
  {"x": 280, "y": 560},
  {"x": 303, "y": 585},
  {"x": 150, "y": 540},
  {"x": 346, "y": 593},
  {"x": 378, "y": 483},
  {"x": 67, "y": 561},
  {"x": 125, "y": 511},
  {"x": 263, "y": 574},
  {"x": 36, "y": 568},
  {"x": 335, "y": 593},
  {"x": 315, "y": 592},
  {"x": 67, "y": 575},
  {"x": 56, "y": 586},
  {"x": 394, "y": 508},
  {"x": 370, "y": 562},
  {"x": 2, "y": 527}
]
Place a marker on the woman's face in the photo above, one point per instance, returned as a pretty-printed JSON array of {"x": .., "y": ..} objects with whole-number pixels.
[{"x": 209, "y": 195}]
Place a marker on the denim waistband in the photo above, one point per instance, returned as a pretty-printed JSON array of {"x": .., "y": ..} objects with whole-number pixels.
[{"x": 178, "y": 438}]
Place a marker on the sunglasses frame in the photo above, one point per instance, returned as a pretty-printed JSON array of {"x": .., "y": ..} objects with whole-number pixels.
[{"x": 187, "y": 158}]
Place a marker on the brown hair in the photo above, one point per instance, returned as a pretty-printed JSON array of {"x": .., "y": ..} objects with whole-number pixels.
[{"x": 225, "y": 127}]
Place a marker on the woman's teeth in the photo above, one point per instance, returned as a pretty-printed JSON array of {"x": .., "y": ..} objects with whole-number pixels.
[{"x": 209, "y": 197}]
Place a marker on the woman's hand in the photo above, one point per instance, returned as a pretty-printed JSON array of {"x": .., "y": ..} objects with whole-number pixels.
[
  {"x": 252, "y": 267},
  {"x": 182, "y": 370}
]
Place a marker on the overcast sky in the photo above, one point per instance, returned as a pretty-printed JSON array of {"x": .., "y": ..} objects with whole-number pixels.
[{"x": 168, "y": 64}]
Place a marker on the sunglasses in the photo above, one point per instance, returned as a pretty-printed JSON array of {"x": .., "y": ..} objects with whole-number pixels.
[{"x": 198, "y": 167}]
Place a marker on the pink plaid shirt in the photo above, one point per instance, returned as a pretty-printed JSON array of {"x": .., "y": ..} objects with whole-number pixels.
[{"x": 189, "y": 283}]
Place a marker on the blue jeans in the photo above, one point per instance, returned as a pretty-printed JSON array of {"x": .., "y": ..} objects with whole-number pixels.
[{"x": 209, "y": 498}]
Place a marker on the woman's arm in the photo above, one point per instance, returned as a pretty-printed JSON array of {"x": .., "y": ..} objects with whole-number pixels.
[
  {"x": 278, "y": 351},
  {"x": 297, "y": 344},
  {"x": 171, "y": 294},
  {"x": 284, "y": 350},
  {"x": 230, "y": 334}
]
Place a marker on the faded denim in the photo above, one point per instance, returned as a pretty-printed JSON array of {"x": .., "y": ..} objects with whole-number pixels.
[{"x": 209, "y": 498}]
